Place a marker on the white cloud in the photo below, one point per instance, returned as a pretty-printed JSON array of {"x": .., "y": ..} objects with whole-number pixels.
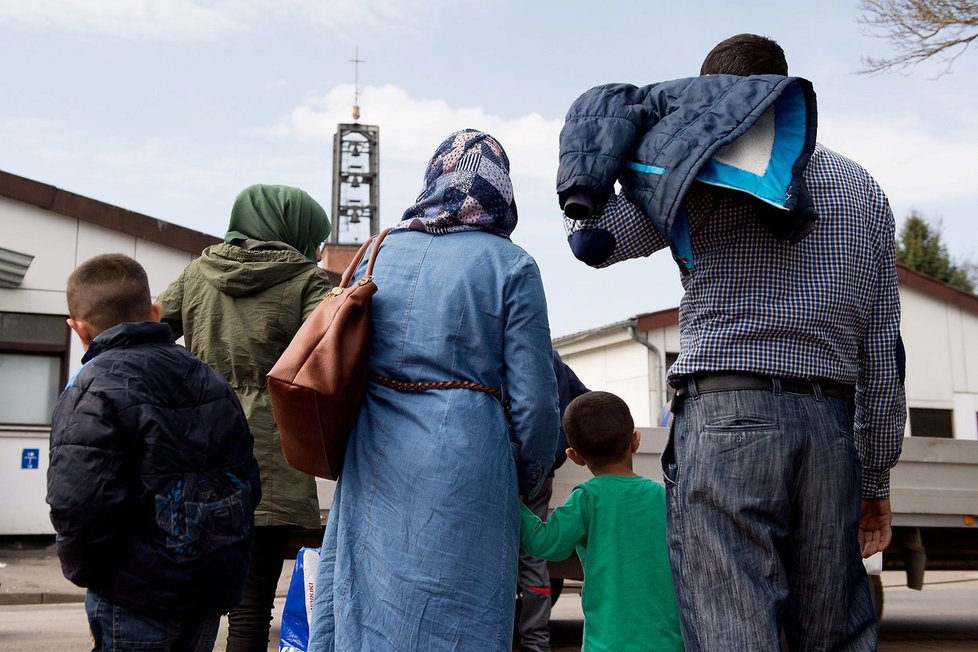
[
  {"x": 338, "y": 14},
  {"x": 125, "y": 17},
  {"x": 411, "y": 128},
  {"x": 205, "y": 18},
  {"x": 913, "y": 160}
]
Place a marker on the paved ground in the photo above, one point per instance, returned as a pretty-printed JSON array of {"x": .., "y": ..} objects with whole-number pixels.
[
  {"x": 30, "y": 573},
  {"x": 942, "y": 617}
]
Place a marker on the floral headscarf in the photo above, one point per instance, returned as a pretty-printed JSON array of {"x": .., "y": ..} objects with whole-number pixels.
[
  {"x": 466, "y": 187},
  {"x": 279, "y": 213}
]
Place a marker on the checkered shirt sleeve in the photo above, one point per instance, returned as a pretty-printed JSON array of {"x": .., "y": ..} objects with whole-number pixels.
[{"x": 635, "y": 235}]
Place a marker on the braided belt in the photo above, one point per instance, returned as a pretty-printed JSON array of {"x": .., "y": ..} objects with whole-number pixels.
[{"x": 404, "y": 386}]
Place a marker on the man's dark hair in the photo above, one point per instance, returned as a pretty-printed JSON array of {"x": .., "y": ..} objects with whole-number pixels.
[
  {"x": 599, "y": 427},
  {"x": 745, "y": 55},
  {"x": 108, "y": 290}
]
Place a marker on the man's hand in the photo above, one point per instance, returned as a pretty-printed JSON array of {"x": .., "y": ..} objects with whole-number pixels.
[{"x": 874, "y": 526}]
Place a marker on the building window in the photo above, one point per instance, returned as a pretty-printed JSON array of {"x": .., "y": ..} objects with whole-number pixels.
[
  {"x": 926, "y": 422},
  {"x": 33, "y": 366}
]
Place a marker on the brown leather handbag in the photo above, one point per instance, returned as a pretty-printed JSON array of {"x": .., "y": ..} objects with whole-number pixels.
[{"x": 318, "y": 383}]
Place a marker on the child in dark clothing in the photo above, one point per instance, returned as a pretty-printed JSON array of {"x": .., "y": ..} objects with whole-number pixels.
[
  {"x": 152, "y": 482},
  {"x": 616, "y": 522}
]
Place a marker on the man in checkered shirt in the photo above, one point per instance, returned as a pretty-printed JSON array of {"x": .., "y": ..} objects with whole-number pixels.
[{"x": 790, "y": 409}]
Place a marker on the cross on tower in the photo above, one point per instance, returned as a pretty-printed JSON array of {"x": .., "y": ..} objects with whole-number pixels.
[{"x": 356, "y": 61}]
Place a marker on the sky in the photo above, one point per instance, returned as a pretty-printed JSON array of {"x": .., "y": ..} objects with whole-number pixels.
[{"x": 171, "y": 107}]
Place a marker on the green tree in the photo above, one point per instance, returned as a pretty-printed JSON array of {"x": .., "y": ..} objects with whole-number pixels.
[
  {"x": 920, "y": 248},
  {"x": 919, "y": 30}
]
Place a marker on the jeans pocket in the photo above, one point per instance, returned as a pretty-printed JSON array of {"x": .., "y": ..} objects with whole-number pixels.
[
  {"x": 739, "y": 423},
  {"x": 117, "y": 628},
  {"x": 133, "y": 631},
  {"x": 731, "y": 432}
]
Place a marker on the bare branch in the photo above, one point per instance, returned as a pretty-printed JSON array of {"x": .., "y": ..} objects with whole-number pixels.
[{"x": 919, "y": 30}]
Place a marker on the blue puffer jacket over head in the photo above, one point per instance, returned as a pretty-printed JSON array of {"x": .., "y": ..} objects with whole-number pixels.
[{"x": 657, "y": 139}]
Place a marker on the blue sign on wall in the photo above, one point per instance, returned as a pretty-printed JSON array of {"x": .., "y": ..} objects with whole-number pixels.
[{"x": 30, "y": 458}]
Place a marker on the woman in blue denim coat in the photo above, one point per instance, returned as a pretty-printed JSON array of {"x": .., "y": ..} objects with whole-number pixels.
[{"x": 420, "y": 551}]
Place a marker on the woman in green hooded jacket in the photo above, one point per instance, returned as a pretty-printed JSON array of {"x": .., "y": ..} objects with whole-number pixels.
[{"x": 238, "y": 306}]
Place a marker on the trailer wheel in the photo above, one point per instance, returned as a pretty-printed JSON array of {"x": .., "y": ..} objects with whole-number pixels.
[{"x": 876, "y": 593}]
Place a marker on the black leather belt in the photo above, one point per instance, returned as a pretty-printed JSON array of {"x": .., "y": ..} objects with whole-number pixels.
[{"x": 732, "y": 382}]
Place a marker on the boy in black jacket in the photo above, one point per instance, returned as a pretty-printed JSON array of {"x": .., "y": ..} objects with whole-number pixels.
[{"x": 152, "y": 482}]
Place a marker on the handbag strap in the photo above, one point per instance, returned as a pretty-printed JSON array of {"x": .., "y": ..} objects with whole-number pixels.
[
  {"x": 352, "y": 267},
  {"x": 405, "y": 386}
]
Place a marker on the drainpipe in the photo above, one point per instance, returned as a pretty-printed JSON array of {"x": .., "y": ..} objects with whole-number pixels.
[{"x": 660, "y": 358}]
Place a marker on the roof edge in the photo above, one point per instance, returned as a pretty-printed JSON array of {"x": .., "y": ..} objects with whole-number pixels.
[
  {"x": 108, "y": 216},
  {"x": 598, "y": 330},
  {"x": 937, "y": 289}
]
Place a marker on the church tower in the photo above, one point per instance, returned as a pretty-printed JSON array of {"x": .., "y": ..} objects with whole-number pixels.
[{"x": 355, "y": 210}]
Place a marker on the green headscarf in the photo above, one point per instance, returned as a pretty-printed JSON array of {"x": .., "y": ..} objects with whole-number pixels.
[{"x": 280, "y": 213}]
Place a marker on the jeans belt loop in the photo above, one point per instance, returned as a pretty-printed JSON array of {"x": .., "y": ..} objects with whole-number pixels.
[
  {"x": 776, "y": 385},
  {"x": 817, "y": 390},
  {"x": 691, "y": 388}
]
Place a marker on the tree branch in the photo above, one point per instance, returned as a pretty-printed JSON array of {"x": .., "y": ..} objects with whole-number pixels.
[{"x": 919, "y": 30}]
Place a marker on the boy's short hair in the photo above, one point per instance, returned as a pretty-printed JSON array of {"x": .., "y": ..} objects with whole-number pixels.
[
  {"x": 599, "y": 427},
  {"x": 108, "y": 290},
  {"x": 745, "y": 55}
]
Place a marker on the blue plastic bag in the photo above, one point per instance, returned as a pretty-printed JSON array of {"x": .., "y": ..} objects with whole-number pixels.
[{"x": 297, "y": 613}]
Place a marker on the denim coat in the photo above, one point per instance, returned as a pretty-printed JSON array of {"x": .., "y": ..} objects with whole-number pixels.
[{"x": 421, "y": 545}]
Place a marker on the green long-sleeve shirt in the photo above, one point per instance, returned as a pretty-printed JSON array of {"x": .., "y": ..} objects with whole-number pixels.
[{"x": 617, "y": 525}]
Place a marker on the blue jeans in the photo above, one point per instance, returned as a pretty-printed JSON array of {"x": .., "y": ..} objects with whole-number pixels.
[
  {"x": 117, "y": 629},
  {"x": 763, "y": 514}
]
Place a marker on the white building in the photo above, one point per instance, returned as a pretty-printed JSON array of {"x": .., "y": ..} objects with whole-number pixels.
[
  {"x": 940, "y": 331},
  {"x": 47, "y": 232}
]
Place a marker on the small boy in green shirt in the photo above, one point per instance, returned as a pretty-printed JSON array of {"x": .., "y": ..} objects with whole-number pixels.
[{"x": 617, "y": 523}]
